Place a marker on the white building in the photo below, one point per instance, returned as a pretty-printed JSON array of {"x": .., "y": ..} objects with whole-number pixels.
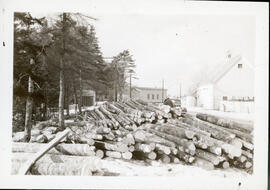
[
  {"x": 188, "y": 101},
  {"x": 231, "y": 87}
]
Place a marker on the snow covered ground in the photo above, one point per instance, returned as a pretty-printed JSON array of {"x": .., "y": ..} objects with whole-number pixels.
[{"x": 139, "y": 168}]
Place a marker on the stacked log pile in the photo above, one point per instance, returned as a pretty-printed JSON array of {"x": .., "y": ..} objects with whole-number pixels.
[{"x": 135, "y": 130}]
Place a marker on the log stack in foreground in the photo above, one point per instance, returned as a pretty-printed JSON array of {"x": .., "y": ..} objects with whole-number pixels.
[{"x": 135, "y": 130}]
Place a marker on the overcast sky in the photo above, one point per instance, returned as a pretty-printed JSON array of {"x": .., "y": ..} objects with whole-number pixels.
[{"x": 174, "y": 47}]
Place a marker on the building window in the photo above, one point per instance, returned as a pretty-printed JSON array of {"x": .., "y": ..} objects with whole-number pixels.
[
  {"x": 148, "y": 96},
  {"x": 153, "y": 96},
  {"x": 225, "y": 98},
  {"x": 240, "y": 66},
  {"x": 157, "y": 96}
]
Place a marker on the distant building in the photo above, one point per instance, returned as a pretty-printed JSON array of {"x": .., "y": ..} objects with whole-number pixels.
[
  {"x": 231, "y": 87},
  {"x": 148, "y": 94},
  {"x": 188, "y": 101}
]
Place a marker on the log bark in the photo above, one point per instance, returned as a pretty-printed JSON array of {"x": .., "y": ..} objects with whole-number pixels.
[
  {"x": 245, "y": 144},
  {"x": 146, "y": 137},
  {"x": 203, "y": 164},
  {"x": 52, "y": 164},
  {"x": 109, "y": 115},
  {"x": 146, "y": 148},
  {"x": 164, "y": 158},
  {"x": 127, "y": 155},
  {"x": 189, "y": 147},
  {"x": 215, "y": 131},
  {"x": 66, "y": 149},
  {"x": 99, "y": 153},
  {"x": 224, "y": 164},
  {"x": 247, "y": 154},
  {"x": 191, "y": 127},
  {"x": 185, "y": 157},
  {"x": 113, "y": 154},
  {"x": 174, "y": 159},
  {"x": 41, "y": 152},
  {"x": 141, "y": 155},
  {"x": 119, "y": 147},
  {"x": 227, "y": 123},
  {"x": 163, "y": 149},
  {"x": 208, "y": 156},
  {"x": 171, "y": 130}
]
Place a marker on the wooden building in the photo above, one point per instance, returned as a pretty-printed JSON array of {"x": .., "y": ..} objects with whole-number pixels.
[
  {"x": 231, "y": 82},
  {"x": 150, "y": 95}
]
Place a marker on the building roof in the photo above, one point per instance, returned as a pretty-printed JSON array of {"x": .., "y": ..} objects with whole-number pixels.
[
  {"x": 149, "y": 88},
  {"x": 222, "y": 70}
]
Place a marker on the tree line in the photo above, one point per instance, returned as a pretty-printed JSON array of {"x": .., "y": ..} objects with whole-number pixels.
[{"x": 53, "y": 57}]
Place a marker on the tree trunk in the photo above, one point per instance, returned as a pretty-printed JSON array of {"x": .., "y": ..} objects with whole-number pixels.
[
  {"x": 75, "y": 95},
  {"x": 46, "y": 102},
  {"x": 28, "y": 118},
  {"x": 62, "y": 81},
  {"x": 80, "y": 100},
  {"x": 115, "y": 91},
  {"x": 61, "y": 95},
  {"x": 67, "y": 99},
  {"x": 29, "y": 107}
]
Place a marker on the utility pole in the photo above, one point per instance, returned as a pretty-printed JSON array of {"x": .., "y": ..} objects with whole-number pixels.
[{"x": 162, "y": 90}]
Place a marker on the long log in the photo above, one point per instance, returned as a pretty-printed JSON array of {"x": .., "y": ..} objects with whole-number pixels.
[
  {"x": 174, "y": 159},
  {"x": 146, "y": 148},
  {"x": 208, "y": 156},
  {"x": 164, "y": 158},
  {"x": 227, "y": 123},
  {"x": 241, "y": 159},
  {"x": 57, "y": 164},
  {"x": 245, "y": 144},
  {"x": 163, "y": 149},
  {"x": 146, "y": 137},
  {"x": 99, "y": 153},
  {"x": 127, "y": 155},
  {"x": 41, "y": 152},
  {"x": 215, "y": 131},
  {"x": 223, "y": 164},
  {"x": 171, "y": 130},
  {"x": 113, "y": 154},
  {"x": 227, "y": 148},
  {"x": 203, "y": 164},
  {"x": 247, "y": 154},
  {"x": 189, "y": 147},
  {"x": 66, "y": 149},
  {"x": 178, "y": 123},
  {"x": 142, "y": 155},
  {"x": 109, "y": 115},
  {"x": 185, "y": 157},
  {"x": 113, "y": 107},
  {"x": 119, "y": 147},
  {"x": 244, "y": 136},
  {"x": 236, "y": 142}
]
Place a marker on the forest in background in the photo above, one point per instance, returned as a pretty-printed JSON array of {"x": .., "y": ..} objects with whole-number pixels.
[{"x": 52, "y": 58}]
